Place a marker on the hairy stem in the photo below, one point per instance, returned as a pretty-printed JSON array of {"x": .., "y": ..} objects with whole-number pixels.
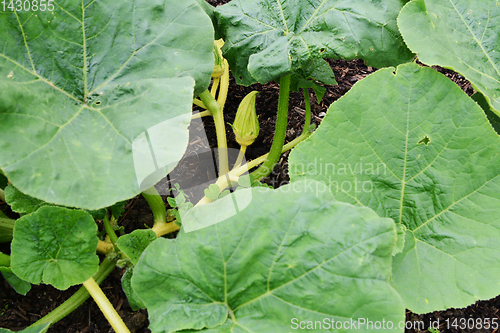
[
  {"x": 157, "y": 206},
  {"x": 79, "y": 297},
  {"x": 224, "y": 86},
  {"x": 220, "y": 128},
  {"x": 307, "y": 102},
  {"x": 241, "y": 154},
  {"x": 105, "y": 305},
  {"x": 280, "y": 131},
  {"x": 215, "y": 85},
  {"x": 109, "y": 230},
  {"x": 201, "y": 114}
]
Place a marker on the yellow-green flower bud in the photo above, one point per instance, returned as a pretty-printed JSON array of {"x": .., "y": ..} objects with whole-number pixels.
[
  {"x": 219, "y": 60},
  {"x": 246, "y": 124}
]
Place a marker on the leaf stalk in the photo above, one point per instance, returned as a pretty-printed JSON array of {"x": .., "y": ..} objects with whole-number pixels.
[
  {"x": 157, "y": 205},
  {"x": 109, "y": 230},
  {"x": 220, "y": 128},
  {"x": 233, "y": 175},
  {"x": 165, "y": 228},
  {"x": 6, "y": 229},
  {"x": 280, "y": 132},
  {"x": 307, "y": 102},
  {"x": 105, "y": 305},
  {"x": 79, "y": 297}
]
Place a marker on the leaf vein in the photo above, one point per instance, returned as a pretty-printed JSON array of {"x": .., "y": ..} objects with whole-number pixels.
[{"x": 454, "y": 203}]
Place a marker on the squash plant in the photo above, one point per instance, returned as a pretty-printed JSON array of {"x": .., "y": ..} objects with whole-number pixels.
[{"x": 400, "y": 179}]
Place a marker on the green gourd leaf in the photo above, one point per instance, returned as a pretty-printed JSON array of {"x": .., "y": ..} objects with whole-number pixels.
[
  {"x": 319, "y": 70},
  {"x": 411, "y": 145},
  {"x": 56, "y": 246},
  {"x": 461, "y": 35},
  {"x": 133, "y": 244},
  {"x": 24, "y": 204},
  {"x": 96, "y": 96},
  {"x": 134, "y": 301},
  {"x": 266, "y": 39},
  {"x": 291, "y": 253}
]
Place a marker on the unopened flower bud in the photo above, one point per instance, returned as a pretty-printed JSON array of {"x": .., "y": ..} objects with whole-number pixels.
[
  {"x": 219, "y": 60},
  {"x": 246, "y": 124}
]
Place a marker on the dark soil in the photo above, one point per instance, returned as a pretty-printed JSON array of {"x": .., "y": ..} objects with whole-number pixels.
[{"x": 18, "y": 312}]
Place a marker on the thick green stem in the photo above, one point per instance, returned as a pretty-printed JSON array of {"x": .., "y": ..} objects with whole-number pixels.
[
  {"x": 109, "y": 230},
  {"x": 157, "y": 206},
  {"x": 2, "y": 195},
  {"x": 280, "y": 131},
  {"x": 220, "y": 129},
  {"x": 4, "y": 260},
  {"x": 79, "y": 297},
  {"x": 307, "y": 122},
  {"x": 6, "y": 229}
]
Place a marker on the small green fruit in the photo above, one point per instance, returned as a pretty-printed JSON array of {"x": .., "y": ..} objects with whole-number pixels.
[{"x": 246, "y": 124}]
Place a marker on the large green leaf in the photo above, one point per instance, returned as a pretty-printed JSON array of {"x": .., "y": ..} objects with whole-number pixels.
[
  {"x": 56, "y": 246},
  {"x": 291, "y": 253},
  {"x": 414, "y": 147},
  {"x": 81, "y": 85},
  {"x": 22, "y": 203},
  {"x": 266, "y": 39},
  {"x": 25, "y": 204},
  {"x": 462, "y": 35}
]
